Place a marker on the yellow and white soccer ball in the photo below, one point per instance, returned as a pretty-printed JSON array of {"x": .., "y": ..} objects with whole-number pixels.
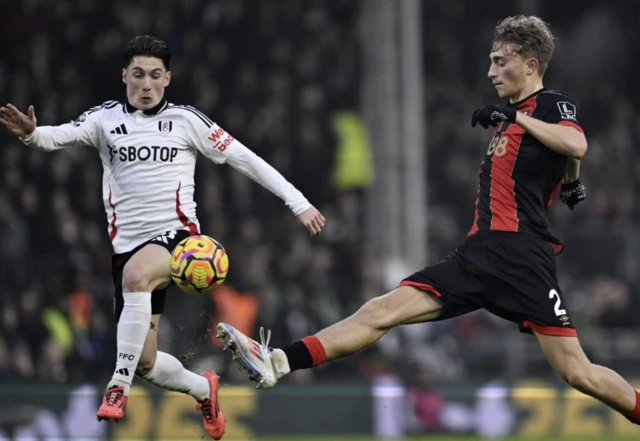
[{"x": 199, "y": 264}]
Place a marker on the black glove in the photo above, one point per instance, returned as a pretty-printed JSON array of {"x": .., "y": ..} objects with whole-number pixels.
[
  {"x": 492, "y": 114},
  {"x": 573, "y": 193}
]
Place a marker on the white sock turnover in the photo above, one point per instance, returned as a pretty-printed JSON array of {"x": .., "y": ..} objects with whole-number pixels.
[
  {"x": 281, "y": 362},
  {"x": 168, "y": 373},
  {"x": 132, "y": 332}
]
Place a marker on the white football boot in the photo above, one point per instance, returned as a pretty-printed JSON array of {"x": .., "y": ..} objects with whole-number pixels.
[{"x": 256, "y": 358}]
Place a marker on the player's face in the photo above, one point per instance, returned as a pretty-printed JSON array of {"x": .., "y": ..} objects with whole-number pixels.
[
  {"x": 508, "y": 71},
  {"x": 146, "y": 78}
]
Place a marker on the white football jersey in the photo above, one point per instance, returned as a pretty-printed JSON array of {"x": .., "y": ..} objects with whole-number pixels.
[{"x": 149, "y": 160}]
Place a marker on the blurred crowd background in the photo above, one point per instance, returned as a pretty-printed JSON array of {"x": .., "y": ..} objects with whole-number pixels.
[{"x": 284, "y": 77}]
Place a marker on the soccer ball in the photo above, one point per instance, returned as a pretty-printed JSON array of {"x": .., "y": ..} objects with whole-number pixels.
[{"x": 199, "y": 264}]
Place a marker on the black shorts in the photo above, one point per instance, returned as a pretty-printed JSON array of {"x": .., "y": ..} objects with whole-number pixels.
[
  {"x": 167, "y": 240},
  {"x": 511, "y": 275}
]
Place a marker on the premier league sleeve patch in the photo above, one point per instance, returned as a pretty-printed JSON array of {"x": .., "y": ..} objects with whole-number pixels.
[{"x": 568, "y": 111}]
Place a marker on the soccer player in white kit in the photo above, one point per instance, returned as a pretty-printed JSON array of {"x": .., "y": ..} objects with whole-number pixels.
[{"x": 148, "y": 148}]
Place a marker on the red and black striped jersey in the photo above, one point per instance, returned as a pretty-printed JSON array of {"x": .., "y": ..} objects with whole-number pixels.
[{"x": 520, "y": 177}]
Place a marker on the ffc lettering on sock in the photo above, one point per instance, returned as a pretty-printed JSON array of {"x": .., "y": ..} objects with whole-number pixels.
[
  {"x": 132, "y": 332},
  {"x": 316, "y": 350}
]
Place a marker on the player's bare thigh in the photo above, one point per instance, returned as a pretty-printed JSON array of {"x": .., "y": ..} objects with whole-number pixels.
[
  {"x": 403, "y": 306},
  {"x": 565, "y": 354},
  {"x": 147, "y": 270}
]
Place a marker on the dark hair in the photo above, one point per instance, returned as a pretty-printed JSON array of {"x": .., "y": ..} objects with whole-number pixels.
[
  {"x": 531, "y": 37},
  {"x": 148, "y": 46}
]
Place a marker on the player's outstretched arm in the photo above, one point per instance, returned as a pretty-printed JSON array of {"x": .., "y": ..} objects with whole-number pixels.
[
  {"x": 17, "y": 122},
  {"x": 220, "y": 147},
  {"x": 50, "y": 138},
  {"x": 256, "y": 168}
]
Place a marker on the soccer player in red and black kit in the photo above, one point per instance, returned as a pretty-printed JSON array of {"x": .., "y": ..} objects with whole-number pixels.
[{"x": 507, "y": 264}]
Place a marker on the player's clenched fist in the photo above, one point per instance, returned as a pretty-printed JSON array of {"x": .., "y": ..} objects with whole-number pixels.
[
  {"x": 17, "y": 122},
  {"x": 492, "y": 114},
  {"x": 572, "y": 193},
  {"x": 312, "y": 220}
]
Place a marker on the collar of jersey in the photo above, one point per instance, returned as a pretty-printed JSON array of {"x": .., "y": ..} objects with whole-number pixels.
[
  {"x": 516, "y": 105},
  {"x": 128, "y": 108}
]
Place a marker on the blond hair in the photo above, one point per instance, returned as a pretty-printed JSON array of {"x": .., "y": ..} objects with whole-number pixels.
[{"x": 530, "y": 37}]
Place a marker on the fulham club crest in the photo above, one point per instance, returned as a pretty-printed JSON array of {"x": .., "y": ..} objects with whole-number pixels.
[{"x": 165, "y": 126}]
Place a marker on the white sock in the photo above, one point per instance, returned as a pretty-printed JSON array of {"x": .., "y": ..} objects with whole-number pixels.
[
  {"x": 281, "y": 362},
  {"x": 168, "y": 373},
  {"x": 132, "y": 332}
]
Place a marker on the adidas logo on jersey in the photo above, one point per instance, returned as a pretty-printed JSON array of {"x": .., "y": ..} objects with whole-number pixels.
[
  {"x": 122, "y": 130},
  {"x": 123, "y": 371}
]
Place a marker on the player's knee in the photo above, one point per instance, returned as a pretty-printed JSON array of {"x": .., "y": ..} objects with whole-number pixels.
[
  {"x": 135, "y": 279},
  {"x": 375, "y": 313},
  {"x": 146, "y": 363}
]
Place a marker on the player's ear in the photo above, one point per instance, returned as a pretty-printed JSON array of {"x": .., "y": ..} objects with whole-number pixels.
[
  {"x": 124, "y": 75},
  {"x": 532, "y": 66},
  {"x": 167, "y": 78}
]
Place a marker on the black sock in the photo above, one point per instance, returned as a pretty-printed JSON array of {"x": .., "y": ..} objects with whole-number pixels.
[{"x": 298, "y": 356}]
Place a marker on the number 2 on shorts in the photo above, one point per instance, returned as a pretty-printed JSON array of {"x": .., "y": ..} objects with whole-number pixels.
[{"x": 553, "y": 293}]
